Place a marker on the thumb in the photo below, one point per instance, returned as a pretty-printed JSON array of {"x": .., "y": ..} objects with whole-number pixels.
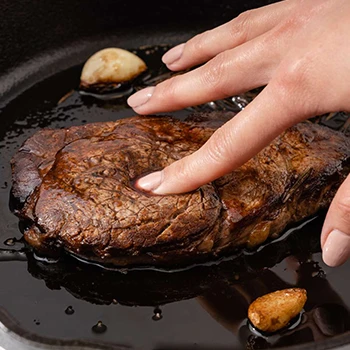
[{"x": 335, "y": 237}]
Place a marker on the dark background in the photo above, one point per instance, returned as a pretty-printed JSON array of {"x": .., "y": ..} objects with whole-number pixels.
[{"x": 41, "y": 30}]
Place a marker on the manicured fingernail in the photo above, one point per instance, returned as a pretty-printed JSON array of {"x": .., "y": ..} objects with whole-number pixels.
[
  {"x": 336, "y": 250},
  {"x": 173, "y": 54},
  {"x": 150, "y": 182},
  {"x": 141, "y": 97}
]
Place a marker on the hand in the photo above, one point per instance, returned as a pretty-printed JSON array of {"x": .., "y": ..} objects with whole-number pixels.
[{"x": 300, "y": 50}]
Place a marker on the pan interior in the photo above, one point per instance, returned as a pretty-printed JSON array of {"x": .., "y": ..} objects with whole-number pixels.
[{"x": 201, "y": 308}]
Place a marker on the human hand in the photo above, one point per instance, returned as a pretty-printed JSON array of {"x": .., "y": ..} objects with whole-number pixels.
[{"x": 300, "y": 50}]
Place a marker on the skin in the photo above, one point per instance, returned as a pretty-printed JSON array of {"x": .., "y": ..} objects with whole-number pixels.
[{"x": 299, "y": 50}]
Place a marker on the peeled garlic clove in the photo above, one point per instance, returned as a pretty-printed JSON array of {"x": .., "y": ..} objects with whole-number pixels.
[
  {"x": 273, "y": 311},
  {"x": 111, "y": 66}
]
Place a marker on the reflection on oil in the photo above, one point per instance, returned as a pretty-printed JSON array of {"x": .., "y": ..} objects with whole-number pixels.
[
  {"x": 13, "y": 255},
  {"x": 224, "y": 290},
  {"x": 10, "y": 242},
  {"x": 149, "y": 287},
  {"x": 324, "y": 314}
]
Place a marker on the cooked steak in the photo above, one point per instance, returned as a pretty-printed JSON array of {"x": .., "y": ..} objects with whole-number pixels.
[{"x": 76, "y": 188}]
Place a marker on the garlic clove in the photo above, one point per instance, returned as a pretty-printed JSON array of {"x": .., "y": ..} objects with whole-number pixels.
[
  {"x": 272, "y": 312},
  {"x": 111, "y": 66}
]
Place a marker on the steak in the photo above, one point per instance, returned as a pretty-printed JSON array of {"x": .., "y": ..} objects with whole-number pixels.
[{"x": 75, "y": 189}]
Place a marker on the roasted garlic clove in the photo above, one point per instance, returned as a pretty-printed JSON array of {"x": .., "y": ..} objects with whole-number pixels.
[
  {"x": 273, "y": 311},
  {"x": 110, "y": 66}
]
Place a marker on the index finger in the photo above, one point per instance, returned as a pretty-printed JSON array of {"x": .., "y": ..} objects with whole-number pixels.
[{"x": 229, "y": 147}]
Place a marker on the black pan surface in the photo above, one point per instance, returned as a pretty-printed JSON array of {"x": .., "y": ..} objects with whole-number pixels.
[{"x": 80, "y": 305}]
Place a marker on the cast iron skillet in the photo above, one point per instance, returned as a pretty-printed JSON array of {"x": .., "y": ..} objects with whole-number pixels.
[{"x": 59, "y": 305}]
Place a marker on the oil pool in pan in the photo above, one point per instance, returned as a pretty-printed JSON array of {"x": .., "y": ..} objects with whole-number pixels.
[{"x": 204, "y": 307}]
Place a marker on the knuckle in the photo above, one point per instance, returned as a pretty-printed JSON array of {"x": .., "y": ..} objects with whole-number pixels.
[
  {"x": 218, "y": 151},
  {"x": 216, "y": 75},
  {"x": 295, "y": 74},
  {"x": 294, "y": 86},
  {"x": 240, "y": 26},
  {"x": 167, "y": 90},
  {"x": 287, "y": 27},
  {"x": 245, "y": 17},
  {"x": 343, "y": 207},
  {"x": 168, "y": 87},
  {"x": 199, "y": 44},
  {"x": 179, "y": 170}
]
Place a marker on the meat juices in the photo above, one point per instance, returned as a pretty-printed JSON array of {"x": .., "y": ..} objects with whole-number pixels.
[{"x": 75, "y": 187}]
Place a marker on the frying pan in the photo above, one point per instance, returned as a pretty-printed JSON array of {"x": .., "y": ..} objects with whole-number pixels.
[{"x": 73, "y": 305}]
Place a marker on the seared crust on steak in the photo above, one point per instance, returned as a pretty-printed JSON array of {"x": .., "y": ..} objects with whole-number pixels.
[{"x": 76, "y": 188}]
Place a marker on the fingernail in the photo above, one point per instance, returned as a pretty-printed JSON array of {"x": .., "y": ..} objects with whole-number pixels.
[
  {"x": 173, "y": 54},
  {"x": 150, "y": 182},
  {"x": 141, "y": 97},
  {"x": 336, "y": 250}
]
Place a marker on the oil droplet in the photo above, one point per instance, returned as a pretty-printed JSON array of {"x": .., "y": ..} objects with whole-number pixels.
[
  {"x": 99, "y": 327},
  {"x": 157, "y": 314},
  {"x": 10, "y": 242},
  {"x": 69, "y": 310}
]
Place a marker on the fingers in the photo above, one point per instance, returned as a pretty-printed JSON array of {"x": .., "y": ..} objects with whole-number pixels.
[
  {"x": 243, "y": 28},
  {"x": 247, "y": 66},
  {"x": 229, "y": 73},
  {"x": 335, "y": 237},
  {"x": 229, "y": 147}
]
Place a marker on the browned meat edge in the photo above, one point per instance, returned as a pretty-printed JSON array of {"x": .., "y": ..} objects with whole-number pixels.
[{"x": 76, "y": 188}]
